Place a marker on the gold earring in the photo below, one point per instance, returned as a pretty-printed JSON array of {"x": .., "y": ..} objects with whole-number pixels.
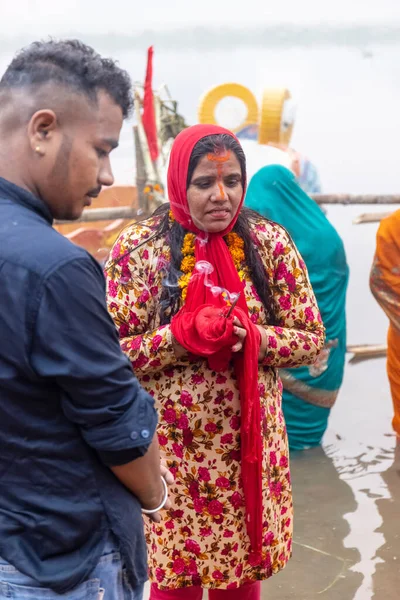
[{"x": 38, "y": 150}]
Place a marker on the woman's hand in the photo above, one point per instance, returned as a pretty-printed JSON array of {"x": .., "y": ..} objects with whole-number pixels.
[
  {"x": 241, "y": 333},
  {"x": 179, "y": 351},
  {"x": 263, "y": 343}
]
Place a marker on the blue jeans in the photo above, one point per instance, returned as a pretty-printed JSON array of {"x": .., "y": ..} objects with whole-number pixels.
[{"x": 108, "y": 581}]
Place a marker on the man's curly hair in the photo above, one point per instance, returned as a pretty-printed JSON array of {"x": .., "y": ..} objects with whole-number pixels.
[{"x": 71, "y": 64}]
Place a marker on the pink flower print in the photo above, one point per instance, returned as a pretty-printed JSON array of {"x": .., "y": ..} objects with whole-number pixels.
[
  {"x": 276, "y": 489},
  {"x": 235, "y": 455},
  {"x": 194, "y": 489},
  {"x": 228, "y": 533},
  {"x": 235, "y": 423},
  {"x": 291, "y": 282},
  {"x": 204, "y": 474},
  {"x": 133, "y": 319},
  {"x": 205, "y": 531},
  {"x": 177, "y": 450},
  {"x": 186, "y": 399},
  {"x": 178, "y": 566},
  {"x": 302, "y": 265},
  {"x": 221, "y": 379},
  {"x": 116, "y": 251},
  {"x": 239, "y": 571},
  {"x": 210, "y": 428},
  {"x": 272, "y": 343},
  {"x": 162, "y": 440},
  {"x": 144, "y": 297},
  {"x": 254, "y": 318},
  {"x": 197, "y": 379},
  {"x": 261, "y": 389},
  {"x": 218, "y": 576},
  {"x": 169, "y": 525},
  {"x": 215, "y": 508},
  {"x": 269, "y": 538},
  {"x": 187, "y": 437},
  {"x": 154, "y": 291},
  {"x": 279, "y": 249},
  {"x": 285, "y": 302},
  {"x": 236, "y": 500},
  {"x": 112, "y": 288},
  {"x": 284, "y": 510},
  {"x": 288, "y": 522},
  {"x": 309, "y": 314},
  {"x": 227, "y": 438},
  {"x": 303, "y": 299},
  {"x": 178, "y": 514},
  {"x": 284, "y": 351},
  {"x": 183, "y": 422},
  {"x": 223, "y": 483},
  {"x": 281, "y": 271},
  {"x": 186, "y": 531},
  {"x": 306, "y": 347},
  {"x": 192, "y": 567},
  {"x": 140, "y": 362},
  {"x": 294, "y": 345},
  {"x": 170, "y": 416},
  {"x": 145, "y": 254},
  {"x": 199, "y": 457},
  {"x": 124, "y": 330},
  {"x": 113, "y": 306},
  {"x": 160, "y": 574},
  {"x": 192, "y": 546},
  {"x": 229, "y": 396},
  {"x": 199, "y": 504},
  {"x": 272, "y": 459},
  {"x": 284, "y": 462},
  {"x": 279, "y": 330},
  {"x": 155, "y": 342}
]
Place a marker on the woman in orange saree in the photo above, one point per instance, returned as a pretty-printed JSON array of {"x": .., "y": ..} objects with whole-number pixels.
[{"x": 385, "y": 286}]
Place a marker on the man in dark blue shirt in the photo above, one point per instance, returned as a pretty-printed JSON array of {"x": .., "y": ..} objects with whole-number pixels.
[{"x": 77, "y": 457}]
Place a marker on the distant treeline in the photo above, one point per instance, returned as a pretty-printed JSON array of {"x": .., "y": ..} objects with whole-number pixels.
[{"x": 197, "y": 38}]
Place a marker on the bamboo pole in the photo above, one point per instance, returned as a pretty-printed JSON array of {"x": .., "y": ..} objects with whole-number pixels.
[
  {"x": 141, "y": 177},
  {"x": 356, "y": 198},
  {"x": 366, "y": 351},
  {"x": 371, "y": 218}
]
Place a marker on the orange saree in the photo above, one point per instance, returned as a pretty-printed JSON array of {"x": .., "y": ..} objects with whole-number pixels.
[{"x": 385, "y": 286}]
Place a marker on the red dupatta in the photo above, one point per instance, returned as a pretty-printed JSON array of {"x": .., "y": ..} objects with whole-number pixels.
[{"x": 201, "y": 327}]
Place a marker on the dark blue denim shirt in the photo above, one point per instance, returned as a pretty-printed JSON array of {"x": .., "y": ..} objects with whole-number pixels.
[{"x": 69, "y": 406}]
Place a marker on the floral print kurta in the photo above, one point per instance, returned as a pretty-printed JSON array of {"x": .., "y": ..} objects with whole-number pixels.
[{"x": 202, "y": 539}]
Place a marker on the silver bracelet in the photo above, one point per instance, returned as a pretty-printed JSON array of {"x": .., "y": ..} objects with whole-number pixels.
[{"x": 148, "y": 511}]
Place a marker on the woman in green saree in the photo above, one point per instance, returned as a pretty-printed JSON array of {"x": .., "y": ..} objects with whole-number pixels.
[{"x": 309, "y": 392}]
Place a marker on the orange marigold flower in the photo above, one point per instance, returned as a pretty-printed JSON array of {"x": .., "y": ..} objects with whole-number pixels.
[{"x": 187, "y": 264}]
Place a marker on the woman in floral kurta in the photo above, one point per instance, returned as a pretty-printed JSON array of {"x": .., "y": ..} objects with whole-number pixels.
[{"x": 202, "y": 540}]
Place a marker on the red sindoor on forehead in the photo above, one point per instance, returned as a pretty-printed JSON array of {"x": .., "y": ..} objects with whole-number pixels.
[{"x": 219, "y": 158}]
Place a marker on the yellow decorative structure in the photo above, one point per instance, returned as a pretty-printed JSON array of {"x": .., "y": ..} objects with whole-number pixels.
[
  {"x": 272, "y": 129},
  {"x": 210, "y": 100}
]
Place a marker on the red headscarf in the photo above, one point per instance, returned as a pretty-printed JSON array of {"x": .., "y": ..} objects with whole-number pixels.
[{"x": 201, "y": 329}]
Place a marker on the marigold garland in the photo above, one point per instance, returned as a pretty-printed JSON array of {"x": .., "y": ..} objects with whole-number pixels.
[{"x": 236, "y": 249}]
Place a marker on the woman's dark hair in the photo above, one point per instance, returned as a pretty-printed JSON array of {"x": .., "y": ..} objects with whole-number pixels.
[{"x": 174, "y": 233}]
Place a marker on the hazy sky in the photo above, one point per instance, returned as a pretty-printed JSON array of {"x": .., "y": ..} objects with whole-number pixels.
[{"x": 44, "y": 17}]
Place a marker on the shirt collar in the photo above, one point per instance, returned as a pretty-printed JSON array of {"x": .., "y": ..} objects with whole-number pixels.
[{"x": 25, "y": 198}]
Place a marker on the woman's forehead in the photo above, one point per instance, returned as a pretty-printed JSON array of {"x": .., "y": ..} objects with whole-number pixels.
[{"x": 212, "y": 162}]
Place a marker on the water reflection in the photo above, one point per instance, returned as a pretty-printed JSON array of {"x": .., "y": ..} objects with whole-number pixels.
[
  {"x": 321, "y": 563},
  {"x": 387, "y": 577},
  {"x": 362, "y": 468}
]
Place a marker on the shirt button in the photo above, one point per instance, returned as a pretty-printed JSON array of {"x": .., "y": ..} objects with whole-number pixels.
[
  {"x": 145, "y": 433},
  {"x": 134, "y": 435}
]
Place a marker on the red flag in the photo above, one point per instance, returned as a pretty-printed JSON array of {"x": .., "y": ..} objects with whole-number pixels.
[{"x": 149, "y": 117}]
